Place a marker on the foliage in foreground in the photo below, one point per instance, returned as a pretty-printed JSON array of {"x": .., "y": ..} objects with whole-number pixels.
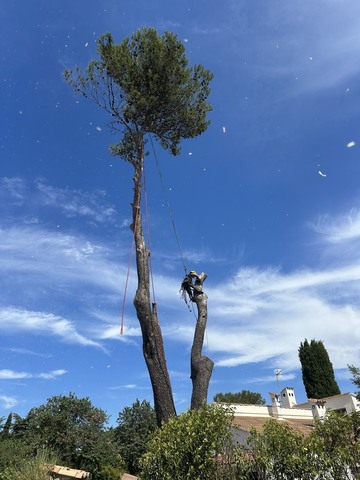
[
  {"x": 196, "y": 445},
  {"x": 185, "y": 448},
  {"x": 72, "y": 429},
  {"x": 330, "y": 452},
  {"x": 29, "y": 468}
]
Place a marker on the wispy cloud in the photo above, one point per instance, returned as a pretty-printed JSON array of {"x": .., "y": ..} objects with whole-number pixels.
[
  {"x": 339, "y": 229},
  {"x": 8, "y": 402},
  {"x": 32, "y": 196},
  {"x": 314, "y": 45},
  {"x": 25, "y": 351},
  {"x": 262, "y": 315},
  {"x": 15, "y": 320},
  {"x": 12, "y": 375},
  {"x": 270, "y": 378},
  {"x": 255, "y": 315},
  {"x": 76, "y": 202}
]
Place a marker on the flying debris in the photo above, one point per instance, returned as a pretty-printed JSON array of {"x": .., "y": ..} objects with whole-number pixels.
[
  {"x": 98, "y": 129},
  {"x": 322, "y": 174},
  {"x": 224, "y": 130},
  {"x": 351, "y": 144},
  {"x": 86, "y": 44}
]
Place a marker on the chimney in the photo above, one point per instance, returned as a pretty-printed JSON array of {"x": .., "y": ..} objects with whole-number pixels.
[
  {"x": 318, "y": 409},
  {"x": 275, "y": 404},
  {"x": 288, "y": 399}
]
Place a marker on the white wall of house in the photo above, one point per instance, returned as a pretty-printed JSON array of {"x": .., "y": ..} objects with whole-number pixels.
[
  {"x": 270, "y": 411},
  {"x": 289, "y": 410},
  {"x": 344, "y": 402}
]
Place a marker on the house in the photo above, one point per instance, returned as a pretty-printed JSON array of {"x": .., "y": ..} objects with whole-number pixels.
[{"x": 284, "y": 408}]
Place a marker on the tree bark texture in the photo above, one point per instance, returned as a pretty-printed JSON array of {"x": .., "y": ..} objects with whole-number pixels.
[
  {"x": 153, "y": 345},
  {"x": 201, "y": 366}
]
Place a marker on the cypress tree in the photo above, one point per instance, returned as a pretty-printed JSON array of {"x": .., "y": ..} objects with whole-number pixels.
[{"x": 317, "y": 370}]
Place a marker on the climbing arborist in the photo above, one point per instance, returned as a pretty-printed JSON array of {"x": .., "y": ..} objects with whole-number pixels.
[{"x": 192, "y": 284}]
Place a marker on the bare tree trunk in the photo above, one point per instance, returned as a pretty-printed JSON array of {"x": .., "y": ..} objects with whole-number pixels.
[
  {"x": 153, "y": 346},
  {"x": 201, "y": 366}
]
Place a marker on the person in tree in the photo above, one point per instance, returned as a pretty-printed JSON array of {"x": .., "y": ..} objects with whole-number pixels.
[{"x": 192, "y": 284}]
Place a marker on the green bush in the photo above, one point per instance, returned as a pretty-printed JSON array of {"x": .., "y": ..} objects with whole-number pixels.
[{"x": 188, "y": 446}]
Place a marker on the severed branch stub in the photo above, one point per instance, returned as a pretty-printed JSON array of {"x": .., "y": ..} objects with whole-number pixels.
[{"x": 201, "y": 366}]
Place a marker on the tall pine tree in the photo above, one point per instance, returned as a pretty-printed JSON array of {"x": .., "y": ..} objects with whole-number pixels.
[{"x": 317, "y": 370}]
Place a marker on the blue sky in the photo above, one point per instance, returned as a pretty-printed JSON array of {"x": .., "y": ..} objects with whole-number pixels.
[{"x": 266, "y": 202}]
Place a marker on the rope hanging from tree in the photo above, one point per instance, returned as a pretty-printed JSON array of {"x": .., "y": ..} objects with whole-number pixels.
[
  {"x": 189, "y": 285},
  {"x": 131, "y": 253}
]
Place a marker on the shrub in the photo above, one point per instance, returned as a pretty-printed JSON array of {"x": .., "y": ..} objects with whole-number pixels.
[{"x": 187, "y": 447}]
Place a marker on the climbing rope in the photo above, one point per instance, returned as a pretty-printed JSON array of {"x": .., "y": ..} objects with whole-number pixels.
[
  {"x": 132, "y": 250},
  {"x": 149, "y": 239},
  {"x": 168, "y": 205},
  {"x": 137, "y": 207}
]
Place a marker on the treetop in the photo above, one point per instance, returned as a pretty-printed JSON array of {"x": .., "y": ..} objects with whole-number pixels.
[{"x": 145, "y": 83}]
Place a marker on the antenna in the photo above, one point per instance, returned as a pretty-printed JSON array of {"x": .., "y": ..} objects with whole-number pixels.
[{"x": 277, "y": 373}]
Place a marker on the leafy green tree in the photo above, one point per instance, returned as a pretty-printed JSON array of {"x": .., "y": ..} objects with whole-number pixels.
[
  {"x": 74, "y": 429},
  {"x": 355, "y": 378},
  {"x": 5, "y": 429},
  {"x": 185, "y": 448},
  {"x": 335, "y": 446},
  {"x": 278, "y": 452},
  {"x": 135, "y": 426},
  {"x": 317, "y": 370},
  {"x": 146, "y": 86},
  {"x": 330, "y": 451},
  {"x": 13, "y": 450},
  {"x": 245, "y": 396}
]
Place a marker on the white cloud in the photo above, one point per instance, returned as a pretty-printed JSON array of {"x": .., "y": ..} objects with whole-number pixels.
[
  {"x": 6, "y": 374},
  {"x": 55, "y": 257},
  {"x": 271, "y": 378},
  {"x": 256, "y": 315},
  {"x": 316, "y": 43},
  {"x": 340, "y": 229},
  {"x": 8, "y": 402},
  {"x": 92, "y": 206},
  {"x": 11, "y": 375},
  {"x": 16, "y": 320},
  {"x": 76, "y": 202},
  {"x": 51, "y": 375},
  {"x": 263, "y": 315}
]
